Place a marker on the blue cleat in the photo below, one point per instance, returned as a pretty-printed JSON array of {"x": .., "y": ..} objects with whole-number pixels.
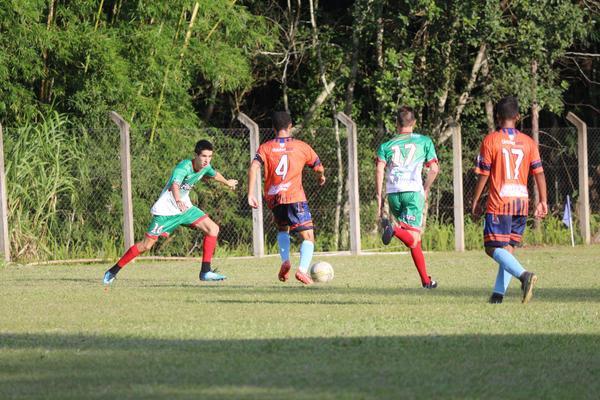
[
  {"x": 388, "y": 231},
  {"x": 109, "y": 277},
  {"x": 211, "y": 276}
]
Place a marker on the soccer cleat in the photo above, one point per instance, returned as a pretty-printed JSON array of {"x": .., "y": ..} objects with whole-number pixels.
[
  {"x": 496, "y": 298},
  {"x": 304, "y": 278},
  {"x": 211, "y": 276},
  {"x": 388, "y": 231},
  {"x": 431, "y": 285},
  {"x": 527, "y": 283},
  {"x": 284, "y": 271},
  {"x": 109, "y": 277}
]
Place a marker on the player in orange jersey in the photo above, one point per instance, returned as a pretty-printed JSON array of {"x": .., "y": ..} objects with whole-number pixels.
[
  {"x": 507, "y": 158},
  {"x": 284, "y": 159}
]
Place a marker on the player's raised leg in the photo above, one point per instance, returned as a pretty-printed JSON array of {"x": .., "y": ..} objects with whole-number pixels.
[
  {"x": 283, "y": 243},
  {"x": 211, "y": 232},
  {"x": 307, "y": 249},
  {"x": 130, "y": 254}
]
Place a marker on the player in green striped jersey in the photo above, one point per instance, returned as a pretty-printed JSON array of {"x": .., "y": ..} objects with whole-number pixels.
[
  {"x": 401, "y": 160},
  {"x": 174, "y": 208}
]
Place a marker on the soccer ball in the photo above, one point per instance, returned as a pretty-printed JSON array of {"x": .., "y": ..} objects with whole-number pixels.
[{"x": 321, "y": 272}]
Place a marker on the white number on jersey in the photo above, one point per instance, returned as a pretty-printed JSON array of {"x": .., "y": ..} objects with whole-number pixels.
[
  {"x": 507, "y": 162},
  {"x": 282, "y": 167},
  {"x": 397, "y": 158}
]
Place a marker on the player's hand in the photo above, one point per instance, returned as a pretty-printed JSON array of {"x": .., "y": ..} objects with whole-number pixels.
[
  {"x": 322, "y": 180},
  {"x": 181, "y": 205},
  {"x": 476, "y": 210},
  {"x": 541, "y": 210},
  {"x": 232, "y": 183},
  {"x": 252, "y": 202}
]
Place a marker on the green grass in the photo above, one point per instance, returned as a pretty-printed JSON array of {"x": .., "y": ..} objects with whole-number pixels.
[{"x": 372, "y": 333}]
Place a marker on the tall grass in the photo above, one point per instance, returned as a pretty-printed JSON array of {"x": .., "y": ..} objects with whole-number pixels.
[{"x": 43, "y": 166}]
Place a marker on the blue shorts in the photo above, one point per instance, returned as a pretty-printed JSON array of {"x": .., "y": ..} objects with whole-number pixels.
[
  {"x": 503, "y": 230},
  {"x": 295, "y": 215}
]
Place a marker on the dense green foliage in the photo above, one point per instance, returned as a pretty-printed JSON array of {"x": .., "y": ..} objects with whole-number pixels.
[
  {"x": 372, "y": 333},
  {"x": 174, "y": 68}
]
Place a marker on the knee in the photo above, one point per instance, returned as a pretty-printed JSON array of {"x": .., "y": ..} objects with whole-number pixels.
[{"x": 214, "y": 230}]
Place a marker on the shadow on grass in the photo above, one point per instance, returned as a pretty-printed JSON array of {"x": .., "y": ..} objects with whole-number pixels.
[
  {"x": 478, "y": 294},
  {"x": 57, "y": 366}
]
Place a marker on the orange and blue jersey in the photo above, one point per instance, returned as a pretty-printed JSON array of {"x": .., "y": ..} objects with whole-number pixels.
[
  {"x": 283, "y": 160},
  {"x": 508, "y": 157}
]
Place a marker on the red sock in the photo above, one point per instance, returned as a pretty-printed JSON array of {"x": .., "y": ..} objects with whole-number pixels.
[
  {"x": 129, "y": 255},
  {"x": 404, "y": 235},
  {"x": 208, "y": 248},
  {"x": 419, "y": 260}
]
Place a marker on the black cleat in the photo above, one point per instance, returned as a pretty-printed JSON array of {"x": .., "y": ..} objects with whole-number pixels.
[
  {"x": 431, "y": 285},
  {"x": 496, "y": 298},
  {"x": 528, "y": 280},
  {"x": 388, "y": 231}
]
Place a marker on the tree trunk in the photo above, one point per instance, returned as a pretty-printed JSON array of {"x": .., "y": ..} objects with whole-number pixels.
[
  {"x": 379, "y": 55},
  {"x": 535, "y": 130},
  {"x": 489, "y": 106},
  {"x": 45, "y": 84},
  {"x": 340, "y": 175}
]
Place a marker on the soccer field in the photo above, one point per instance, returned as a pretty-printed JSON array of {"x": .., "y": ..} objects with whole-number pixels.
[{"x": 372, "y": 333}]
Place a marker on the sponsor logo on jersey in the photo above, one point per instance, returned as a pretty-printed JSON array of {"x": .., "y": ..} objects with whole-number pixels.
[{"x": 273, "y": 190}]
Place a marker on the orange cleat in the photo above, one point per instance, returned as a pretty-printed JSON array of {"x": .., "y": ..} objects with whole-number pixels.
[
  {"x": 304, "y": 278},
  {"x": 284, "y": 271}
]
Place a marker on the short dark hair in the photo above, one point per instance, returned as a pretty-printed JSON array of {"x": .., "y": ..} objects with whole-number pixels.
[
  {"x": 405, "y": 116},
  {"x": 281, "y": 120},
  {"x": 507, "y": 108},
  {"x": 203, "y": 145}
]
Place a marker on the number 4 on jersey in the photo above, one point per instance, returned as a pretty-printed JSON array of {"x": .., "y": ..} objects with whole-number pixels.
[{"x": 282, "y": 167}]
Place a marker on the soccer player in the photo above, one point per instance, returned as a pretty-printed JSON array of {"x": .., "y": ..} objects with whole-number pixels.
[
  {"x": 507, "y": 158},
  {"x": 174, "y": 208},
  {"x": 401, "y": 161},
  {"x": 283, "y": 160}
]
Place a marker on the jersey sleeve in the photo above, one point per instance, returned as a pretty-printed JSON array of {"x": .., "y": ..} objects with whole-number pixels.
[
  {"x": 261, "y": 155},
  {"x": 381, "y": 154},
  {"x": 312, "y": 159},
  {"x": 210, "y": 171},
  {"x": 430, "y": 155},
  {"x": 484, "y": 159},
  {"x": 180, "y": 172},
  {"x": 535, "y": 166}
]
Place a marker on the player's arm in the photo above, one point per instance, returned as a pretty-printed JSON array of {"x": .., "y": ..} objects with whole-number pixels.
[
  {"x": 541, "y": 208},
  {"x": 483, "y": 168},
  {"x": 253, "y": 172},
  {"x": 313, "y": 161},
  {"x": 177, "y": 196},
  {"x": 481, "y": 182},
  {"x": 232, "y": 183},
  {"x": 432, "y": 173},
  {"x": 379, "y": 174},
  {"x": 320, "y": 170}
]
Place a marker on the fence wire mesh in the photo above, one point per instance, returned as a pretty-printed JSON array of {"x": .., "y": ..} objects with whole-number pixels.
[{"x": 65, "y": 198}]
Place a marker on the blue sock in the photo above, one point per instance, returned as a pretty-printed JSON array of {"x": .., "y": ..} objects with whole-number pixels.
[
  {"x": 502, "y": 280},
  {"x": 306, "y": 252},
  {"x": 283, "y": 240},
  {"x": 508, "y": 262}
]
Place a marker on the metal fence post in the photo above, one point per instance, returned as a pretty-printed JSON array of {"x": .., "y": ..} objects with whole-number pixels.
[
  {"x": 4, "y": 238},
  {"x": 584, "y": 195},
  {"x": 457, "y": 173},
  {"x": 258, "y": 236},
  {"x": 125, "y": 178},
  {"x": 353, "y": 197}
]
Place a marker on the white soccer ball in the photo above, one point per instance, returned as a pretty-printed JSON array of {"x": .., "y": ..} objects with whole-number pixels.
[{"x": 321, "y": 272}]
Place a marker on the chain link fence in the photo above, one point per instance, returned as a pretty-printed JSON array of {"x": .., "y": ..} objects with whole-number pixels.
[{"x": 65, "y": 200}]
